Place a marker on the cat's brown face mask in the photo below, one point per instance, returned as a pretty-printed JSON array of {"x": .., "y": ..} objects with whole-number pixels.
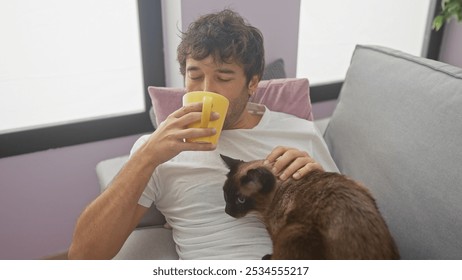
[{"x": 246, "y": 183}]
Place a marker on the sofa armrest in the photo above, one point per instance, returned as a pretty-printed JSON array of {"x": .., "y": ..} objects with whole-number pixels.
[
  {"x": 396, "y": 129},
  {"x": 321, "y": 124},
  {"x": 106, "y": 170},
  {"x": 148, "y": 243}
]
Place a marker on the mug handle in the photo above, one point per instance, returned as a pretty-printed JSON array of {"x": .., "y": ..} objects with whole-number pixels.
[{"x": 206, "y": 111}]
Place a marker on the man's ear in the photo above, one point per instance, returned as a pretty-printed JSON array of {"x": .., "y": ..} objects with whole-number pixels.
[{"x": 253, "y": 84}]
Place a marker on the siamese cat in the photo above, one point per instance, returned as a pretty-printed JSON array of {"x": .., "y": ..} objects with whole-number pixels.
[{"x": 323, "y": 215}]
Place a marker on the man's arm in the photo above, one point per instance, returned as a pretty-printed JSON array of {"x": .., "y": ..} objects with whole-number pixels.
[{"x": 106, "y": 223}]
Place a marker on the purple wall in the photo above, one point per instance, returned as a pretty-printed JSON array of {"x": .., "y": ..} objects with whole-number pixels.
[
  {"x": 451, "y": 47},
  {"x": 43, "y": 193},
  {"x": 277, "y": 20}
]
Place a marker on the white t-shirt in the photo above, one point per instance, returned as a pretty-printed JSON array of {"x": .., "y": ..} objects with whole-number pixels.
[{"x": 188, "y": 189}]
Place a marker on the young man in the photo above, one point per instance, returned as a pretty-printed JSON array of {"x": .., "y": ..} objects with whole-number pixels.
[{"x": 223, "y": 54}]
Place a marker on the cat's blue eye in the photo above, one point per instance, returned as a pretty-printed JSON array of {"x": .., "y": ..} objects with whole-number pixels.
[{"x": 241, "y": 199}]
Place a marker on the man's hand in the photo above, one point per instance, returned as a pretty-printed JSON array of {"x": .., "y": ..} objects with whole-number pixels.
[
  {"x": 168, "y": 139},
  {"x": 289, "y": 162}
]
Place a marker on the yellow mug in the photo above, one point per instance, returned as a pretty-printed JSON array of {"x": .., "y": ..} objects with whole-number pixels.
[{"x": 211, "y": 102}]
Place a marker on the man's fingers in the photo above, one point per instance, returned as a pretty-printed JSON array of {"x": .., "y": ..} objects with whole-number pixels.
[
  {"x": 300, "y": 172},
  {"x": 284, "y": 157},
  {"x": 195, "y": 133},
  {"x": 192, "y": 113},
  {"x": 275, "y": 154},
  {"x": 193, "y": 107},
  {"x": 290, "y": 162},
  {"x": 197, "y": 146}
]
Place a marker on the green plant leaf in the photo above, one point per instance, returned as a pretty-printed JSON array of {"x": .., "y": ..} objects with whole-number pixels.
[
  {"x": 450, "y": 9},
  {"x": 438, "y": 22},
  {"x": 453, "y": 8}
]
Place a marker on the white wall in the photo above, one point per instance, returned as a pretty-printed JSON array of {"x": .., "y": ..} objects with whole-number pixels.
[{"x": 171, "y": 27}]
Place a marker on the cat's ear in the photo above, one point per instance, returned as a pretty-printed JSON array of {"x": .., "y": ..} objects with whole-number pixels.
[
  {"x": 230, "y": 162},
  {"x": 260, "y": 179}
]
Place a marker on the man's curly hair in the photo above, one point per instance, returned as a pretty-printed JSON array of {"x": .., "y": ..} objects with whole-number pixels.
[{"x": 228, "y": 38}]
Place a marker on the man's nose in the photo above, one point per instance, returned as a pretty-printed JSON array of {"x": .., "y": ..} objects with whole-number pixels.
[{"x": 209, "y": 85}]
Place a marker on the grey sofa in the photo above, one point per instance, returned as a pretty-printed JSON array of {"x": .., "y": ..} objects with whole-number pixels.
[{"x": 398, "y": 129}]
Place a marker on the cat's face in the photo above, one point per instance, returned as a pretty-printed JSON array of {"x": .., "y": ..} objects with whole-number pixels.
[{"x": 246, "y": 187}]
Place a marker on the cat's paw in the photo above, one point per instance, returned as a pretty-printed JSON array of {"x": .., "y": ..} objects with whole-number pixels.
[{"x": 267, "y": 257}]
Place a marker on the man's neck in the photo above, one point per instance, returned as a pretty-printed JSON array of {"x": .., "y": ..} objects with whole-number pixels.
[{"x": 248, "y": 120}]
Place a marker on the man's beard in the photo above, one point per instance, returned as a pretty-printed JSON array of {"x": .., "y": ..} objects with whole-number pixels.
[{"x": 235, "y": 110}]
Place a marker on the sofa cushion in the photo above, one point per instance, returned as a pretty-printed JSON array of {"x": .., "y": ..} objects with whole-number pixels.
[
  {"x": 281, "y": 95},
  {"x": 274, "y": 70},
  {"x": 397, "y": 129}
]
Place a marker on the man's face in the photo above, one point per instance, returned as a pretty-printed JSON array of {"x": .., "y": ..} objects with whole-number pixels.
[{"x": 227, "y": 79}]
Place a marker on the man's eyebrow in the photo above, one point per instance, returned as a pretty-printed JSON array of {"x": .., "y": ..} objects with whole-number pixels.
[{"x": 219, "y": 70}]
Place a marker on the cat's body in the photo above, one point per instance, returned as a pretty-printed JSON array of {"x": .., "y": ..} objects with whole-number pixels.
[{"x": 323, "y": 215}]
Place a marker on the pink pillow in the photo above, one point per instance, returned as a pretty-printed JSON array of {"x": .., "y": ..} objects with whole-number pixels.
[{"x": 281, "y": 95}]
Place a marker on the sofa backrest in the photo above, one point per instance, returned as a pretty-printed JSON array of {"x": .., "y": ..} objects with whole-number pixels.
[{"x": 397, "y": 128}]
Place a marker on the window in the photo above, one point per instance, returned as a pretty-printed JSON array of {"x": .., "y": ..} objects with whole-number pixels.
[
  {"x": 329, "y": 31},
  {"x": 76, "y": 71}
]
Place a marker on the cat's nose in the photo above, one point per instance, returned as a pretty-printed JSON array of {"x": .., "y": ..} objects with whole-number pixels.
[{"x": 228, "y": 211}]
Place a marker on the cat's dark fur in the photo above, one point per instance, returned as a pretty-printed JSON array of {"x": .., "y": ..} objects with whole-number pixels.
[{"x": 323, "y": 215}]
